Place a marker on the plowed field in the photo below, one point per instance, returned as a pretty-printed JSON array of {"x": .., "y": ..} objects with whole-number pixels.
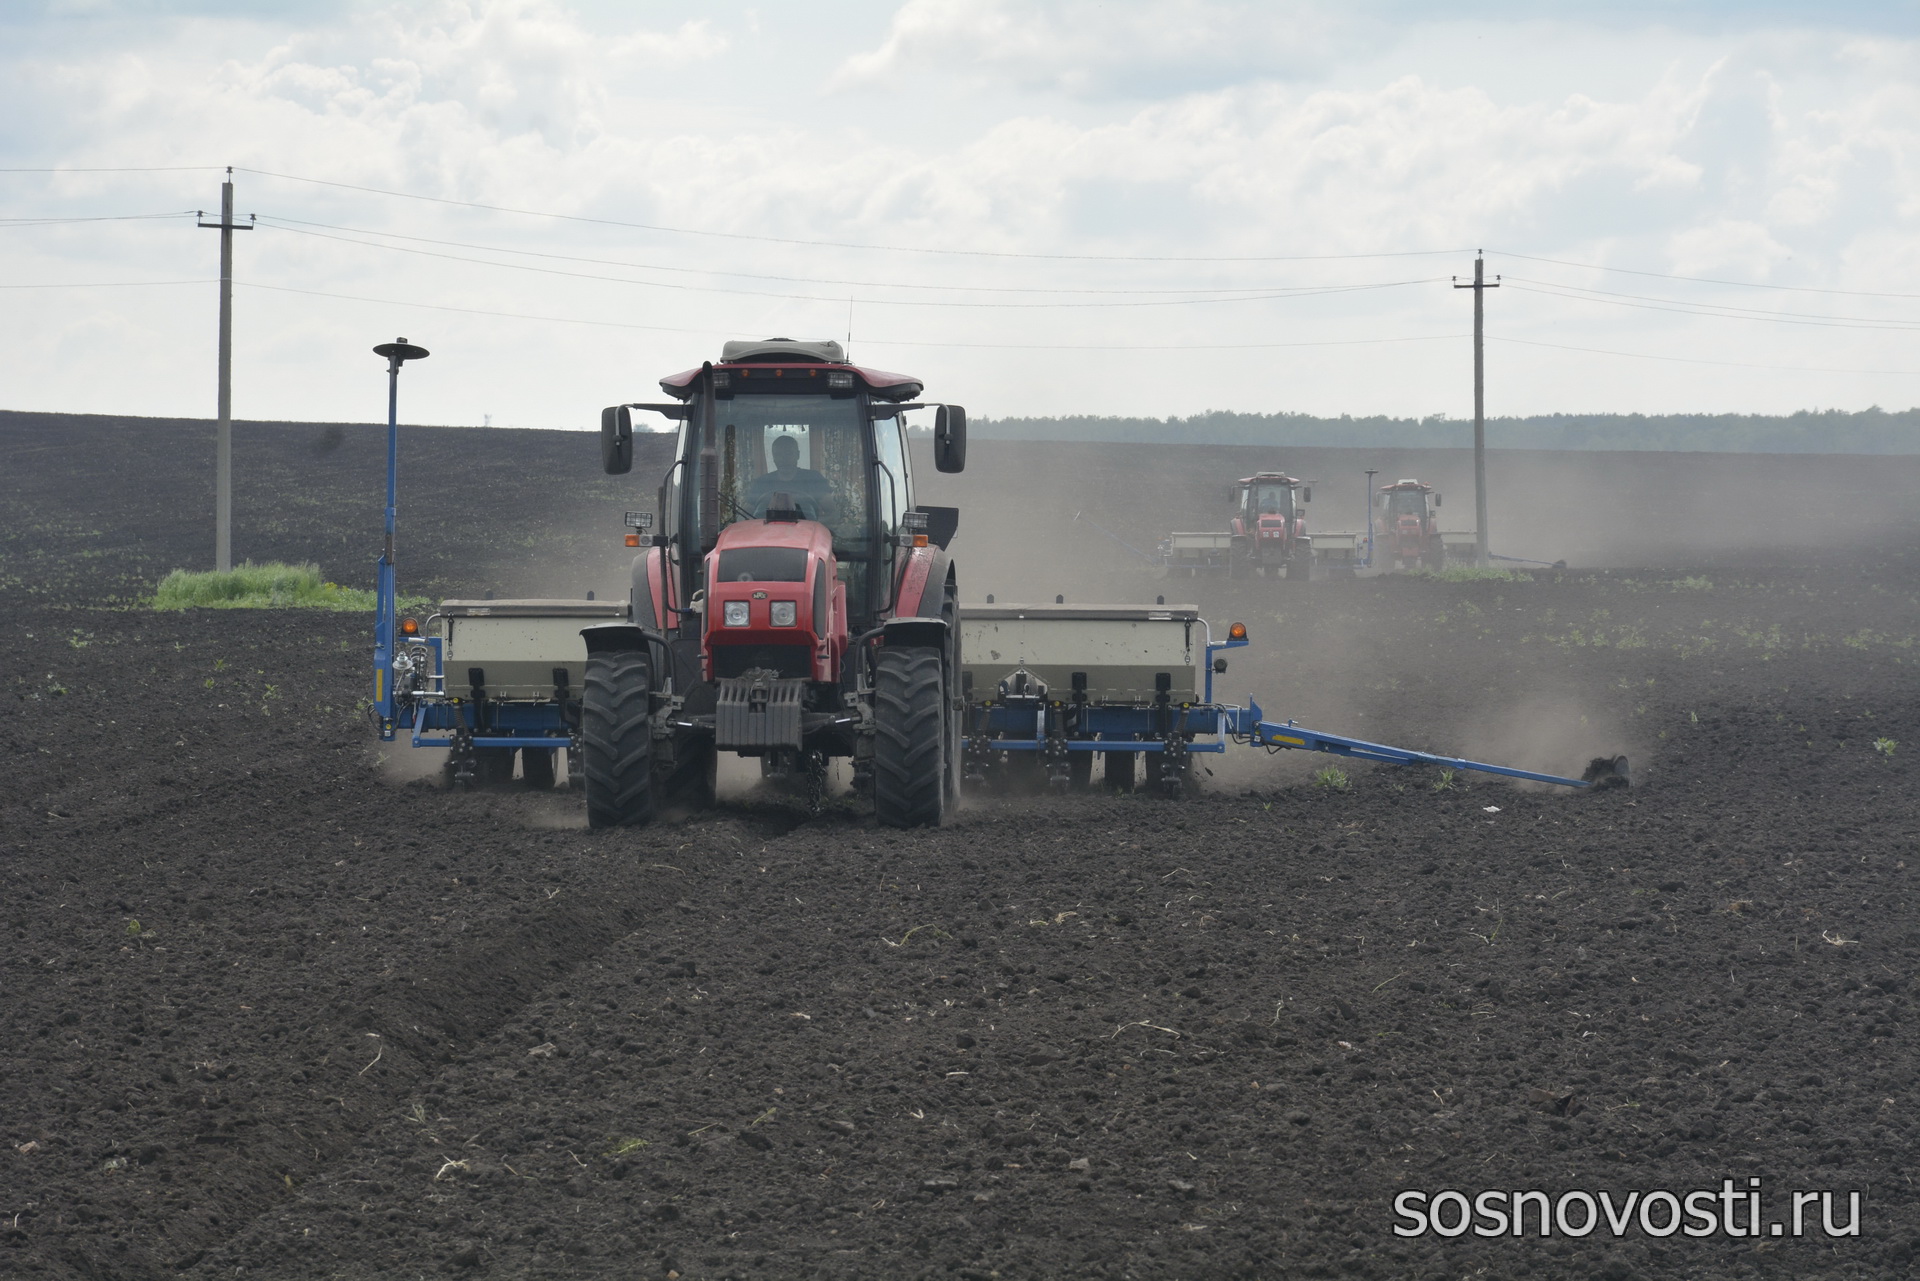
[{"x": 272, "y": 1005}]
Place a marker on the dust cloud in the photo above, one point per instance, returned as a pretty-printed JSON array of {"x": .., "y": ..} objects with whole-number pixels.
[
  {"x": 1040, "y": 518},
  {"x": 401, "y": 763}
]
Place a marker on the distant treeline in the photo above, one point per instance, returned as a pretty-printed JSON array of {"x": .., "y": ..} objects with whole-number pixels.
[{"x": 1821, "y": 431}]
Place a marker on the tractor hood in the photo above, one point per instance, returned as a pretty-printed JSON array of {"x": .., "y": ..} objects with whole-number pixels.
[{"x": 734, "y": 553}]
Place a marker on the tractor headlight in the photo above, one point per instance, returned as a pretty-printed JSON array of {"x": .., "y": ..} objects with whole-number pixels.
[
  {"x": 736, "y": 613},
  {"x": 783, "y": 613}
]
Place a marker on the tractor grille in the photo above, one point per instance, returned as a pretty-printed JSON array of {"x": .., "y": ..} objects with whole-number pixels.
[{"x": 790, "y": 661}]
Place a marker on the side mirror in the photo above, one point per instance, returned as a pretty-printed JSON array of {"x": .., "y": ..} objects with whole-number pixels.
[
  {"x": 616, "y": 440},
  {"x": 950, "y": 438},
  {"x": 1306, "y": 494},
  {"x": 1436, "y": 500}
]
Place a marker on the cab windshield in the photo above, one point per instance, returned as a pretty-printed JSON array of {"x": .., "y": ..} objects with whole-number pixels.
[
  {"x": 1272, "y": 500},
  {"x": 783, "y": 452},
  {"x": 1406, "y": 502}
]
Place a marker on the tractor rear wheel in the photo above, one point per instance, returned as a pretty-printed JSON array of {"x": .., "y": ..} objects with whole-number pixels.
[
  {"x": 1300, "y": 566},
  {"x": 617, "y": 752},
  {"x": 1117, "y": 770},
  {"x": 536, "y": 768},
  {"x": 910, "y": 784}
]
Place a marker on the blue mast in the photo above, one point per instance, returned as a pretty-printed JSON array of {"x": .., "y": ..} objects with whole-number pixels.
[{"x": 385, "y": 604}]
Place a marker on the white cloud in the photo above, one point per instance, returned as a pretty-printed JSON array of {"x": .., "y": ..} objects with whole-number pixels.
[
  {"x": 693, "y": 40},
  {"x": 1745, "y": 250},
  {"x": 1169, "y": 128},
  {"x": 1087, "y": 47}
]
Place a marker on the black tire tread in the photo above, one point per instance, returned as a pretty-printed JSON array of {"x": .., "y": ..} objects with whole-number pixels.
[
  {"x": 909, "y": 750},
  {"x": 616, "y": 751}
]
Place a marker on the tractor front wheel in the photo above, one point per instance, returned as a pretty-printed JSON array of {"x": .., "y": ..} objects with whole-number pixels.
[
  {"x": 617, "y": 751},
  {"x": 910, "y": 784}
]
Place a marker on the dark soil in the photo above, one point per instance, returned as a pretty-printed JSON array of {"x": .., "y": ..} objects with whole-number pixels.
[{"x": 268, "y": 1009}]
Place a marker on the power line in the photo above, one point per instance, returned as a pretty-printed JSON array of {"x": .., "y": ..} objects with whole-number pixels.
[
  {"x": 1684, "y": 310},
  {"x": 1707, "y": 280},
  {"x": 1689, "y": 360},
  {"x": 974, "y": 253},
  {"x": 482, "y": 311},
  {"x": 109, "y": 284},
  {"x": 53, "y": 222},
  {"x": 1298, "y": 292},
  {"x": 1210, "y": 346},
  {"x": 881, "y": 342},
  {"x": 115, "y": 169},
  {"x": 296, "y": 224},
  {"x": 1714, "y": 308},
  {"x": 830, "y": 244}
]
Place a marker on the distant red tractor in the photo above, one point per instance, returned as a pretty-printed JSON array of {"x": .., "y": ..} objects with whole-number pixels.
[
  {"x": 1407, "y": 526},
  {"x": 1269, "y": 527}
]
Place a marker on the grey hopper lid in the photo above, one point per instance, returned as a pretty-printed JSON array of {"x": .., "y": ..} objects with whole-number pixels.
[{"x": 775, "y": 349}]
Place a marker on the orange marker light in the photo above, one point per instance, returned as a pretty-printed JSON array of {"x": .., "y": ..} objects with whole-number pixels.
[
  {"x": 919, "y": 540},
  {"x": 409, "y": 628},
  {"x": 633, "y": 540},
  {"x": 1237, "y": 632}
]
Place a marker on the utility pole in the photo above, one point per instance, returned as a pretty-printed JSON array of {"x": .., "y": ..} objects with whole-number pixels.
[
  {"x": 223, "y": 449},
  {"x": 1370, "y": 476},
  {"x": 1479, "y": 286}
]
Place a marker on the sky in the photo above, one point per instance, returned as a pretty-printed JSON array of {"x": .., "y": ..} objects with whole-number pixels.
[{"x": 1154, "y": 207}]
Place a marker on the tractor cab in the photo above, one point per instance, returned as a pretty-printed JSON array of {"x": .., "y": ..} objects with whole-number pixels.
[
  {"x": 1268, "y": 501},
  {"x": 782, "y": 432},
  {"x": 1408, "y": 500},
  {"x": 1268, "y": 525},
  {"x": 1409, "y": 525}
]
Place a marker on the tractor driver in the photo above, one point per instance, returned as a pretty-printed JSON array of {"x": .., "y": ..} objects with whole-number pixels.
[{"x": 809, "y": 490}]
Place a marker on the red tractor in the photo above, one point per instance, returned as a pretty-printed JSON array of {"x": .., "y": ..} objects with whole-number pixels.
[
  {"x": 1269, "y": 529},
  {"x": 1407, "y": 526},
  {"x": 793, "y": 603}
]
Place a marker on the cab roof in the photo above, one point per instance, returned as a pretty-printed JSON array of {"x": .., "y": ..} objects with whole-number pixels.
[
  {"x": 775, "y": 357},
  {"x": 1271, "y": 478}
]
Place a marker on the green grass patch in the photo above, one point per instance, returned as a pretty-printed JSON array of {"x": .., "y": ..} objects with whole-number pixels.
[
  {"x": 251, "y": 586},
  {"x": 1333, "y": 778}
]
